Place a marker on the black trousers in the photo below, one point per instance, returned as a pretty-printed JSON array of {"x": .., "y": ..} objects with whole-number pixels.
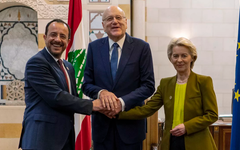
[
  {"x": 177, "y": 143},
  {"x": 113, "y": 141}
]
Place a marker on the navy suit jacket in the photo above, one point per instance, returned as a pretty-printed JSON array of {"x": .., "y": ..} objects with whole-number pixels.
[
  {"x": 49, "y": 114},
  {"x": 134, "y": 83}
]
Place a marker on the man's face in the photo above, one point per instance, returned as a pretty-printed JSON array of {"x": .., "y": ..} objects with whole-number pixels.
[
  {"x": 114, "y": 23},
  {"x": 56, "y": 39}
]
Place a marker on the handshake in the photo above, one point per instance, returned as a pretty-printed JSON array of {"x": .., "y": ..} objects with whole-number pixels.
[{"x": 107, "y": 104}]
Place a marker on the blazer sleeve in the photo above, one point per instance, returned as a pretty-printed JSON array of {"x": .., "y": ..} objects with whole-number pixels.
[
  {"x": 43, "y": 79},
  {"x": 141, "y": 112},
  {"x": 89, "y": 88},
  {"x": 209, "y": 106}
]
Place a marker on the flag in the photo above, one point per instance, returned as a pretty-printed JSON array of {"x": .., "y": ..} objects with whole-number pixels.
[
  {"x": 235, "y": 134},
  {"x": 76, "y": 54}
]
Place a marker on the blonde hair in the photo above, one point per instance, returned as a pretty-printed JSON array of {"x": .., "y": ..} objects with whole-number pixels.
[{"x": 183, "y": 42}]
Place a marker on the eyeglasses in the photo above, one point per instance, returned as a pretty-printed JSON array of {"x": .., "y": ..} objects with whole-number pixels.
[{"x": 111, "y": 18}]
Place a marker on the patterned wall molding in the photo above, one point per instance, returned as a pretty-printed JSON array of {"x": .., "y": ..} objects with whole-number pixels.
[
  {"x": 44, "y": 10},
  {"x": 99, "y": 1},
  {"x": 15, "y": 93},
  {"x": 8, "y": 45},
  {"x": 18, "y": 42},
  {"x": 57, "y": 1},
  {"x": 95, "y": 25}
]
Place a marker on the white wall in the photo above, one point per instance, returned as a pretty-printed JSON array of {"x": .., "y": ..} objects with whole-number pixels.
[{"x": 211, "y": 25}]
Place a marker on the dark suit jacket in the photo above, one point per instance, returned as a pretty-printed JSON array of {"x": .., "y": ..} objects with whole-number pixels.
[
  {"x": 49, "y": 114},
  {"x": 134, "y": 83},
  {"x": 200, "y": 111}
]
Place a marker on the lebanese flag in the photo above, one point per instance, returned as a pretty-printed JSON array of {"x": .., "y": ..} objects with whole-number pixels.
[{"x": 76, "y": 54}]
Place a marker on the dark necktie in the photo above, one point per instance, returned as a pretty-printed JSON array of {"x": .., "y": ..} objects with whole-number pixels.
[
  {"x": 60, "y": 62},
  {"x": 114, "y": 60}
]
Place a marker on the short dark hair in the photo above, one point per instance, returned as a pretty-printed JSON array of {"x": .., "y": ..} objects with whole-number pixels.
[{"x": 58, "y": 21}]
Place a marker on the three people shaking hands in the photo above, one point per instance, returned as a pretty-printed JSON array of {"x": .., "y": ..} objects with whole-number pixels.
[{"x": 119, "y": 76}]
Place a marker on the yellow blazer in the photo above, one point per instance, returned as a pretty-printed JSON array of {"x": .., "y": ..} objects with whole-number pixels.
[{"x": 200, "y": 111}]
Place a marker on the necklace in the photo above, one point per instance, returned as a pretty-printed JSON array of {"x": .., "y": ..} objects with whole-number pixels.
[{"x": 182, "y": 81}]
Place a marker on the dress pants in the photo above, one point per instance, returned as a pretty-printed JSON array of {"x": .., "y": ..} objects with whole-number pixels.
[
  {"x": 70, "y": 143},
  {"x": 114, "y": 142},
  {"x": 177, "y": 143}
]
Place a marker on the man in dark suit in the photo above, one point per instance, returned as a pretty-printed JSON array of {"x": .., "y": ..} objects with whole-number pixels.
[
  {"x": 51, "y": 96},
  {"x": 119, "y": 71}
]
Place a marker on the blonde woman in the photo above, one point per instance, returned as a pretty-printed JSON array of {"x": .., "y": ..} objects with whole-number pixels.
[{"x": 189, "y": 102}]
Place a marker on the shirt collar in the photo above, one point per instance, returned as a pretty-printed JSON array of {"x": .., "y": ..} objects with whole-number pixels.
[
  {"x": 120, "y": 42},
  {"x": 51, "y": 55}
]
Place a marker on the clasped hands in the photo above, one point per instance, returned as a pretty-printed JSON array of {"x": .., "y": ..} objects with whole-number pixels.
[{"x": 110, "y": 104}]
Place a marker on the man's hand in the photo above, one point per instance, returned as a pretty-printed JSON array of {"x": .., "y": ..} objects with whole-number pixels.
[
  {"x": 97, "y": 105},
  {"x": 109, "y": 100},
  {"x": 117, "y": 110},
  {"x": 179, "y": 130},
  {"x": 106, "y": 113},
  {"x": 111, "y": 113}
]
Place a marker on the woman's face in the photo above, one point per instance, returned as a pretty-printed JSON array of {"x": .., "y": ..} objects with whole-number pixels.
[{"x": 181, "y": 59}]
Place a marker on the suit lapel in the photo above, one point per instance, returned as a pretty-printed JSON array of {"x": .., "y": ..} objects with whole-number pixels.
[
  {"x": 127, "y": 50},
  {"x": 50, "y": 59},
  {"x": 67, "y": 69},
  {"x": 104, "y": 50},
  {"x": 71, "y": 76},
  {"x": 56, "y": 67},
  {"x": 192, "y": 91},
  {"x": 191, "y": 86}
]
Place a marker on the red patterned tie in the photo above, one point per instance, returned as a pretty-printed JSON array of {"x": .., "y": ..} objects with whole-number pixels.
[{"x": 60, "y": 62}]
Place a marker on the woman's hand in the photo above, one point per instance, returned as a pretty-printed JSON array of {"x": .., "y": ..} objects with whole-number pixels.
[{"x": 179, "y": 130}]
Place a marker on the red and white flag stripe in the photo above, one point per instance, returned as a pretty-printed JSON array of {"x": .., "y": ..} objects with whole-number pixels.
[{"x": 77, "y": 43}]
